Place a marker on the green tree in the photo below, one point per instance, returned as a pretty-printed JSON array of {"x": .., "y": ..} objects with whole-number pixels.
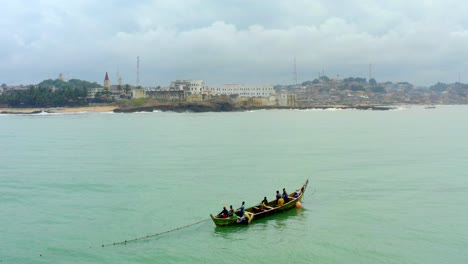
[
  {"x": 372, "y": 81},
  {"x": 43, "y": 96},
  {"x": 439, "y": 87},
  {"x": 127, "y": 89},
  {"x": 378, "y": 89},
  {"x": 355, "y": 87}
]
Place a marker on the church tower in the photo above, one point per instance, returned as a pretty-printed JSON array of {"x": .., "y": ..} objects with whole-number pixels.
[{"x": 107, "y": 82}]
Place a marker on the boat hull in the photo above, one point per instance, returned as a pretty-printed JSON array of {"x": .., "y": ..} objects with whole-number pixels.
[{"x": 231, "y": 221}]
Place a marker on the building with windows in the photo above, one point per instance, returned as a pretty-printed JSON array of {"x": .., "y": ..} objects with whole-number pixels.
[
  {"x": 189, "y": 86},
  {"x": 241, "y": 90},
  {"x": 166, "y": 94}
]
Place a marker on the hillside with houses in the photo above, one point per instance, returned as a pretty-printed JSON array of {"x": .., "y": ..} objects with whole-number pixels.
[{"x": 324, "y": 91}]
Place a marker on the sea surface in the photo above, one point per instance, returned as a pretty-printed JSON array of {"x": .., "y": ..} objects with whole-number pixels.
[{"x": 384, "y": 186}]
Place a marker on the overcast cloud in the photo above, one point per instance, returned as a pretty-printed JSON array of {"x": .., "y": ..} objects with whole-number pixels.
[{"x": 243, "y": 41}]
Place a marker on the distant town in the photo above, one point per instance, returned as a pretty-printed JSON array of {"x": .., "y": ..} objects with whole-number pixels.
[{"x": 323, "y": 91}]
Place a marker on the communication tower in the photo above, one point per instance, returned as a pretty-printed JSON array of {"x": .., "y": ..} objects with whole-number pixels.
[
  {"x": 138, "y": 71},
  {"x": 119, "y": 78},
  {"x": 295, "y": 72}
]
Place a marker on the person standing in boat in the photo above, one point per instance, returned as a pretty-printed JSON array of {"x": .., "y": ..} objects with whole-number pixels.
[
  {"x": 240, "y": 211},
  {"x": 278, "y": 196},
  {"x": 285, "y": 195}
]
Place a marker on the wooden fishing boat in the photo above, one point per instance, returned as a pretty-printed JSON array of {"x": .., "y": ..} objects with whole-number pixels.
[{"x": 257, "y": 212}]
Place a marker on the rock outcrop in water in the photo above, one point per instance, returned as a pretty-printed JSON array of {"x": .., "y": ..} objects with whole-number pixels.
[{"x": 196, "y": 107}]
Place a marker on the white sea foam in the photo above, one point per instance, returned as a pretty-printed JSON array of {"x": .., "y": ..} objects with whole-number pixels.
[{"x": 399, "y": 108}]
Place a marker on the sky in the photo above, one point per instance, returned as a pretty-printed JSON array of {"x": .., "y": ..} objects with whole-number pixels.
[{"x": 236, "y": 41}]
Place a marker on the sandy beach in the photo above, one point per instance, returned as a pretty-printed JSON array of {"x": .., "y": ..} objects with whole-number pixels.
[{"x": 102, "y": 108}]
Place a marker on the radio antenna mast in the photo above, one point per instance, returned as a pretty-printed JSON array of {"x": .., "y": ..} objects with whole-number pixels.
[{"x": 138, "y": 71}]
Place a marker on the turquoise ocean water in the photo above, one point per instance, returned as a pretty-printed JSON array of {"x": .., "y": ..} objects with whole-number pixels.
[{"x": 390, "y": 187}]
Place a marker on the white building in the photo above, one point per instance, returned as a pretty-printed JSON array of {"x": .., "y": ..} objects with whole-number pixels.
[
  {"x": 138, "y": 93},
  {"x": 92, "y": 92},
  {"x": 241, "y": 90},
  {"x": 190, "y": 86}
]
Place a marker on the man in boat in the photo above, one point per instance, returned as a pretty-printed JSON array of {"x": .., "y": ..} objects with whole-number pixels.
[
  {"x": 264, "y": 203},
  {"x": 280, "y": 202},
  {"x": 297, "y": 194},
  {"x": 278, "y": 196},
  {"x": 223, "y": 213},
  {"x": 285, "y": 195},
  {"x": 231, "y": 211},
  {"x": 240, "y": 211},
  {"x": 242, "y": 220}
]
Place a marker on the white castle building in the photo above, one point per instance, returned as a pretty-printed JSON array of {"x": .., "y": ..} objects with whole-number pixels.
[
  {"x": 241, "y": 90},
  {"x": 190, "y": 86}
]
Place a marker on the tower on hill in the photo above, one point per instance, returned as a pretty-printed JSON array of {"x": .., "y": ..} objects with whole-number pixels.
[{"x": 107, "y": 81}]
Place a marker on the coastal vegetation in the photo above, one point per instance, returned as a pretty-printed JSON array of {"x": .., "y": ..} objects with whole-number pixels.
[
  {"x": 49, "y": 93},
  {"x": 43, "y": 96},
  {"x": 72, "y": 84}
]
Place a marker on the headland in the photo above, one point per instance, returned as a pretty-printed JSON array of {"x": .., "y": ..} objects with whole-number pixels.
[
  {"x": 228, "y": 106},
  {"x": 179, "y": 107}
]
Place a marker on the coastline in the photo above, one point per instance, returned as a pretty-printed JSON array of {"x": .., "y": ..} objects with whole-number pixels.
[
  {"x": 198, "y": 107},
  {"x": 194, "y": 107},
  {"x": 101, "y": 108}
]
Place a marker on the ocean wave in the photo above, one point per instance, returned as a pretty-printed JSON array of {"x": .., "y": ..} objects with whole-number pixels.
[
  {"x": 43, "y": 113},
  {"x": 399, "y": 108}
]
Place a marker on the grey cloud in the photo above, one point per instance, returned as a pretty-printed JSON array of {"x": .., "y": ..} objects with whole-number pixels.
[{"x": 239, "y": 41}]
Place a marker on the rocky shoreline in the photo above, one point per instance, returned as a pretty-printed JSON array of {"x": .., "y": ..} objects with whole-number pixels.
[
  {"x": 200, "y": 107},
  {"x": 194, "y": 107},
  {"x": 21, "y": 112}
]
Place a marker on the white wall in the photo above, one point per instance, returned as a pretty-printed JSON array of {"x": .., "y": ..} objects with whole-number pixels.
[{"x": 242, "y": 90}]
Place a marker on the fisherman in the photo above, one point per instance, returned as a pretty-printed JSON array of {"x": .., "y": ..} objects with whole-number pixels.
[
  {"x": 231, "y": 211},
  {"x": 285, "y": 195},
  {"x": 242, "y": 220},
  {"x": 280, "y": 202},
  {"x": 297, "y": 194},
  {"x": 240, "y": 211},
  {"x": 264, "y": 203},
  {"x": 223, "y": 213},
  {"x": 278, "y": 195}
]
